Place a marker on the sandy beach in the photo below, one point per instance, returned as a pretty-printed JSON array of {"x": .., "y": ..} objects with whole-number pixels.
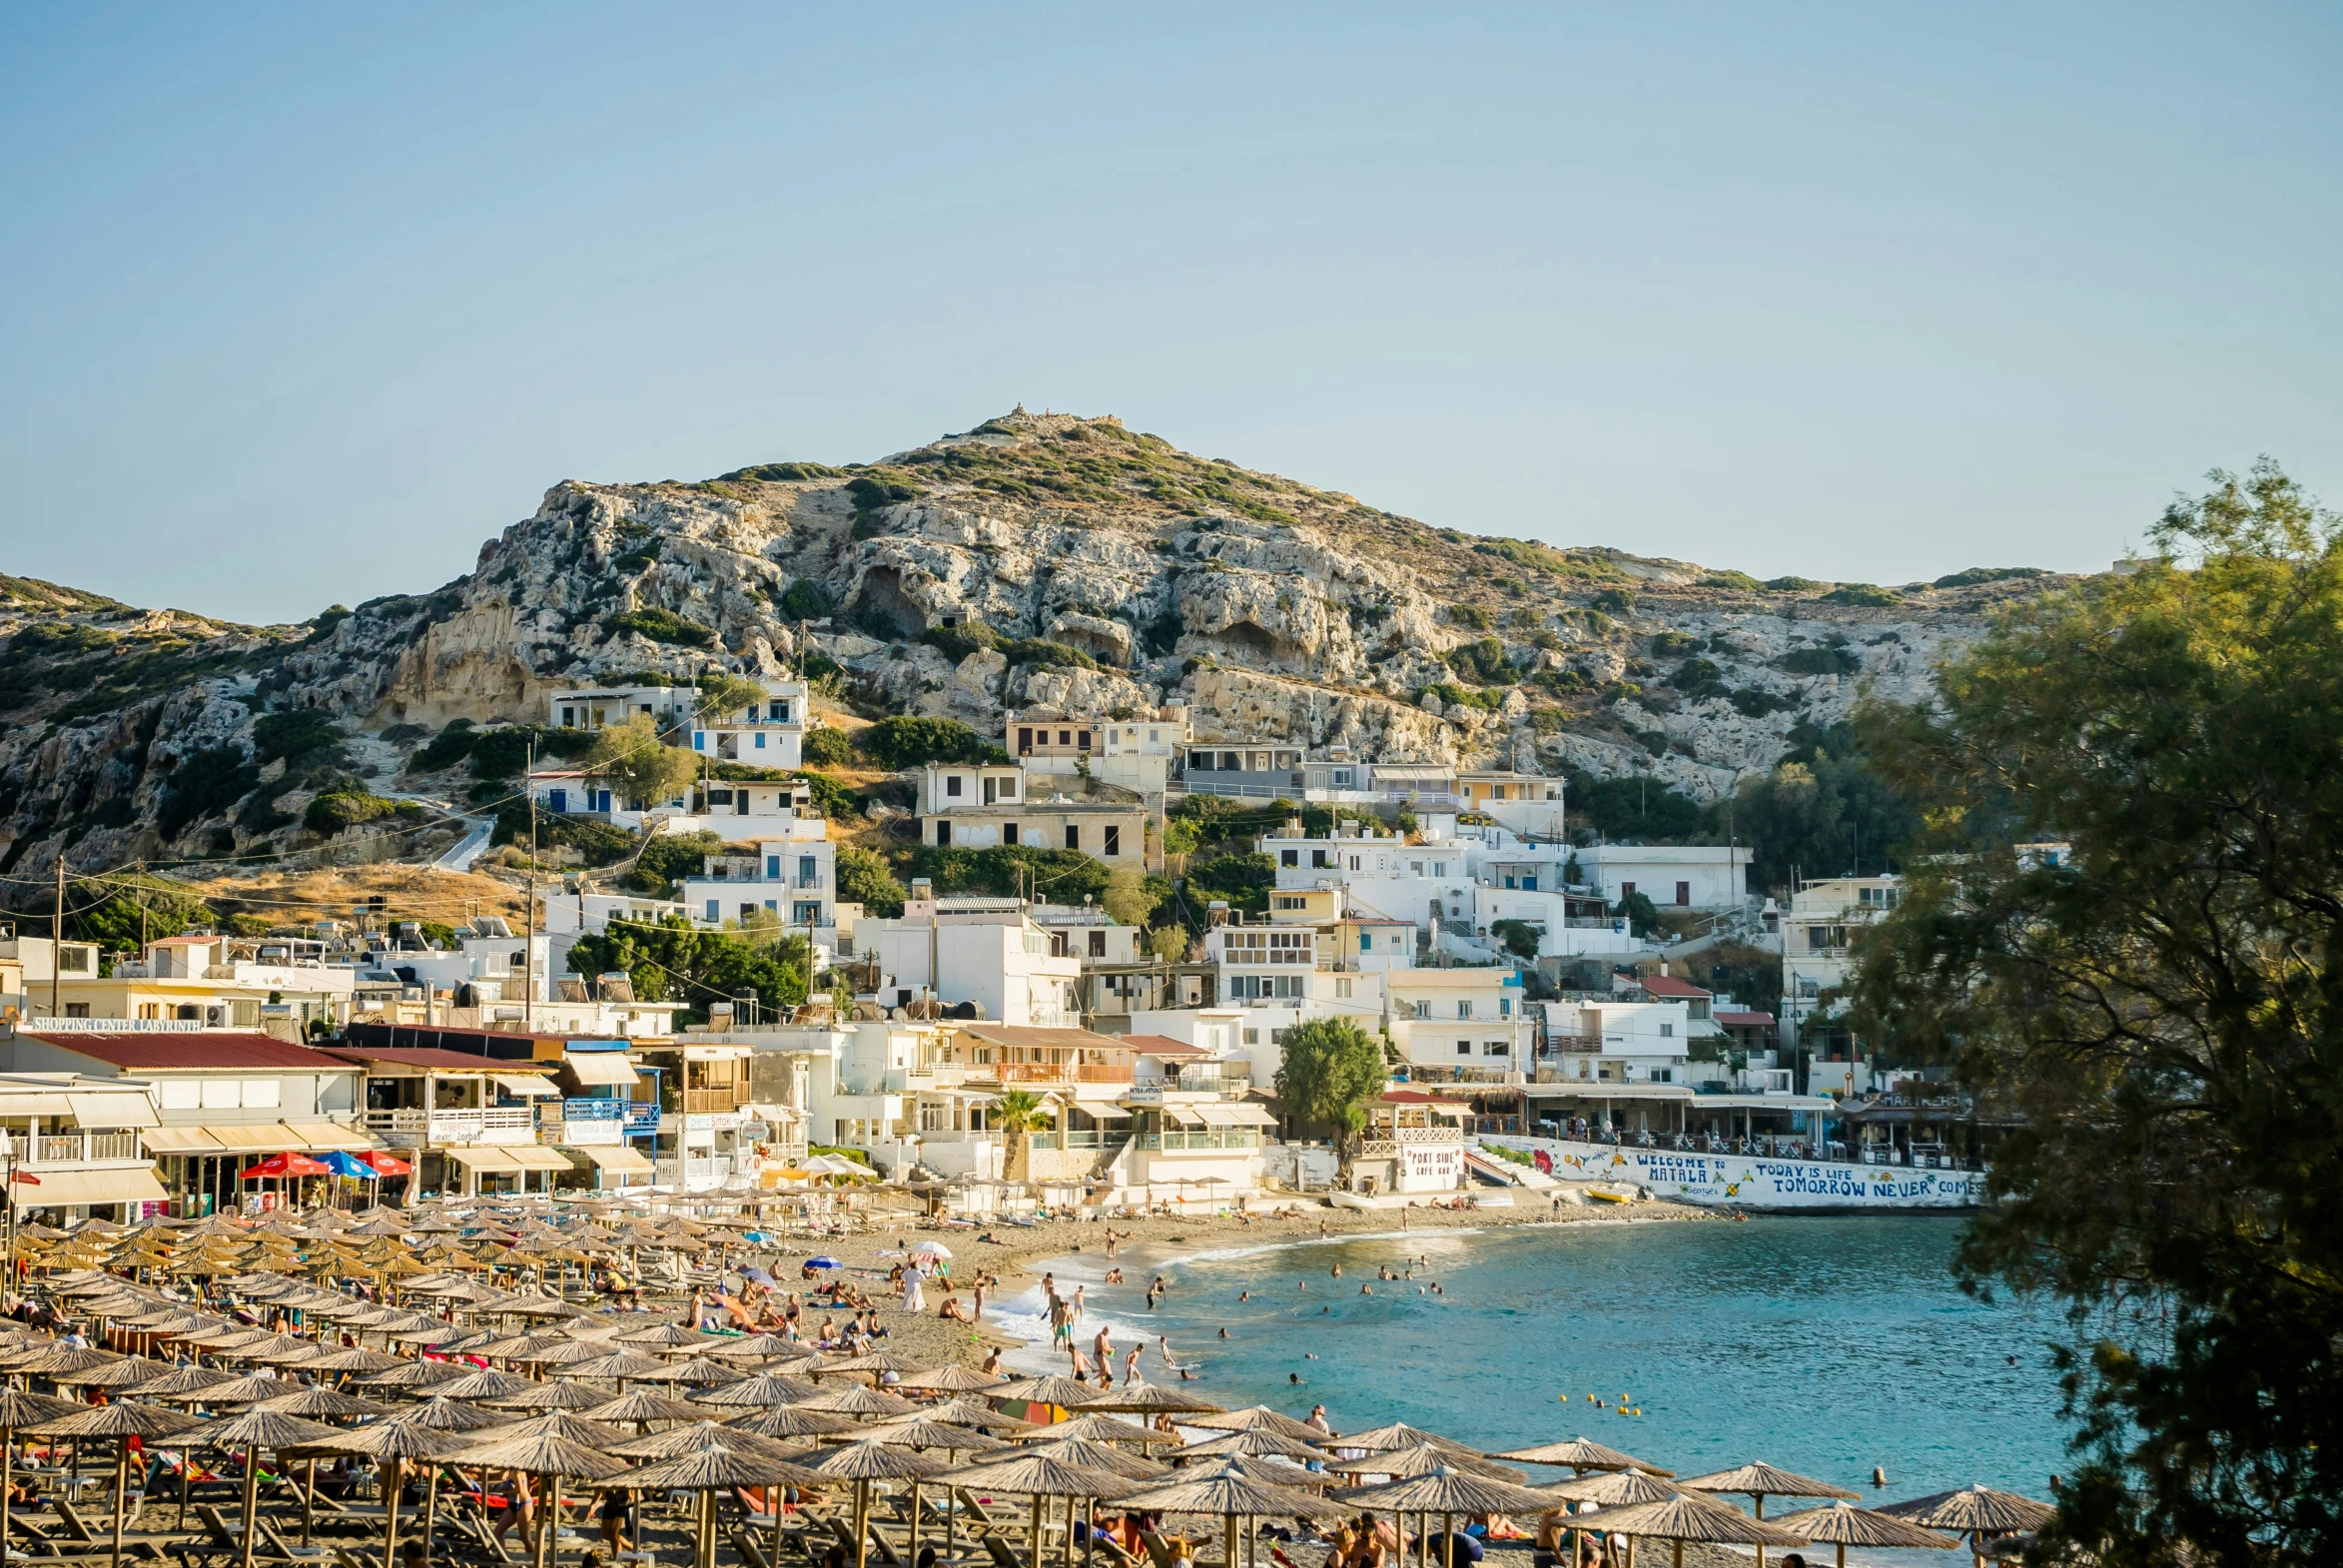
[{"x": 1018, "y": 1254}]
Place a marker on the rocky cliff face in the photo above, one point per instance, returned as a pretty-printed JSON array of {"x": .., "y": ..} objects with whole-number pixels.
[{"x": 1033, "y": 560}]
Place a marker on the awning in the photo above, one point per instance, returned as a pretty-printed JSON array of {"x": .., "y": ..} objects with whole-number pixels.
[
  {"x": 267, "y": 1134},
  {"x": 130, "y": 1185},
  {"x": 618, "y": 1157},
  {"x": 531, "y": 1157},
  {"x": 179, "y": 1141},
  {"x": 325, "y": 1137},
  {"x": 526, "y": 1085},
  {"x": 600, "y": 1066},
  {"x": 1182, "y": 1116},
  {"x": 1231, "y": 1114},
  {"x": 483, "y": 1157},
  {"x": 116, "y": 1110},
  {"x": 34, "y": 1103}
]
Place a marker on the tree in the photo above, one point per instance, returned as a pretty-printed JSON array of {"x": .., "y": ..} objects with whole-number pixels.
[
  {"x": 1638, "y": 911},
  {"x": 865, "y": 878},
  {"x": 636, "y": 765},
  {"x": 1329, "y": 1069},
  {"x": 1823, "y": 811},
  {"x": 674, "y": 961},
  {"x": 138, "y": 907},
  {"x": 720, "y": 693},
  {"x": 908, "y": 741},
  {"x": 1520, "y": 936},
  {"x": 826, "y": 748},
  {"x": 2158, "y": 1004},
  {"x": 1131, "y": 895},
  {"x": 1018, "y": 1112}
]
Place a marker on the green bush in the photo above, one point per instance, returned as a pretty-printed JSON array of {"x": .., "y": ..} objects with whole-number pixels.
[
  {"x": 1243, "y": 880},
  {"x": 827, "y": 747},
  {"x": 958, "y": 642},
  {"x": 1792, "y": 584},
  {"x": 865, "y": 878},
  {"x": 293, "y": 735},
  {"x": 341, "y": 809},
  {"x": 1818, "y": 661},
  {"x": 1672, "y": 645},
  {"x": 1467, "y": 616},
  {"x": 1864, "y": 594},
  {"x": 662, "y": 626},
  {"x": 1002, "y": 870},
  {"x": 204, "y": 783},
  {"x": 1698, "y": 678},
  {"x": 1977, "y": 575},
  {"x": 1562, "y": 683},
  {"x": 834, "y": 798},
  {"x": 1043, "y": 654},
  {"x": 669, "y": 857},
  {"x": 451, "y": 746},
  {"x": 1455, "y": 696},
  {"x": 1616, "y": 601},
  {"x": 1755, "y": 703},
  {"x": 807, "y": 599},
  {"x": 1520, "y": 936},
  {"x": 1483, "y": 661},
  {"x": 1740, "y": 581},
  {"x": 782, "y": 473},
  {"x": 906, "y": 741}
]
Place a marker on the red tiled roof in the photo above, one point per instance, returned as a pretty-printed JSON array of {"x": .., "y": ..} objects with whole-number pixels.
[
  {"x": 428, "y": 1057},
  {"x": 1670, "y": 985},
  {"x": 1746, "y": 1019},
  {"x": 225, "y": 1048},
  {"x": 1161, "y": 1046}
]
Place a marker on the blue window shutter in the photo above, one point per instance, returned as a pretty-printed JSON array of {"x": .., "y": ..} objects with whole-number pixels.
[
  {"x": 760, "y": 741},
  {"x": 773, "y": 868},
  {"x": 713, "y": 916},
  {"x": 700, "y": 740}
]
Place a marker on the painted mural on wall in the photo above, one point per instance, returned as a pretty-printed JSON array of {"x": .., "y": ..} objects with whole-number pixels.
[{"x": 1754, "y": 1182}]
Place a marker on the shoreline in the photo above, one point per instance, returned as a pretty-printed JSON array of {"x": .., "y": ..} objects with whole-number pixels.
[{"x": 1018, "y": 1256}]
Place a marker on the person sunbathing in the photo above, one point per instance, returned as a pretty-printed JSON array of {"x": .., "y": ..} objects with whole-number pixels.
[{"x": 953, "y": 1312}]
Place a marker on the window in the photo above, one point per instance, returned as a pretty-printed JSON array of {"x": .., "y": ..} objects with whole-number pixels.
[
  {"x": 1504, "y": 1007},
  {"x": 569, "y": 718},
  {"x": 806, "y": 913},
  {"x": 1007, "y": 831},
  {"x": 1008, "y": 787},
  {"x": 746, "y": 911},
  {"x": 1342, "y": 990},
  {"x": 1464, "y": 1047},
  {"x": 1366, "y": 942},
  {"x": 1626, "y": 888},
  {"x": 700, "y": 740},
  {"x": 1289, "y": 856},
  {"x": 1464, "y": 1009},
  {"x": 760, "y": 741},
  {"x": 1683, "y": 895},
  {"x": 1317, "y": 859},
  {"x": 1423, "y": 1010},
  {"x": 952, "y": 784},
  {"x": 1354, "y": 862},
  {"x": 77, "y": 1010},
  {"x": 1025, "y": 742},
  {"x": 1114, "y": 839},
  {"x": 943, "y": 835},
  {"x": 1065, "y": 737},
  {"x": 779, "y": 712},
  {"x": 1073, "y": 835},
  {"x": 1666, "y": 1031},
  {"x": 1081, "y": 740},
  {"x": 713, "y": 916},
  {"x": 1495, "y": 1048},
  {"x": 1253, "y": 1036},
  {"x": 809, "y": 872},
  {"x": 1098, "y": 944},
  {"x": 772, "y": 868}
]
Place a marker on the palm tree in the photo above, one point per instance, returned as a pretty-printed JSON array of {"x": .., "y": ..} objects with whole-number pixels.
[{"x": 1018, "y": 1112}]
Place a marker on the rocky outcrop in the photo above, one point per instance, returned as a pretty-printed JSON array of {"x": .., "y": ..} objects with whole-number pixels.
[{"x": 1046, "y": 560}]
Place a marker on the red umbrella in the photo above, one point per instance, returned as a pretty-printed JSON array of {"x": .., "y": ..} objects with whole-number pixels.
[
  {"x": 386, "y": 1165},
  {"x": 285, "y": 1166}
]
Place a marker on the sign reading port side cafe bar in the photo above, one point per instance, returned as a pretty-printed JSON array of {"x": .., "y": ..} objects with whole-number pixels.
[{"x": 1753, "y": 1180}]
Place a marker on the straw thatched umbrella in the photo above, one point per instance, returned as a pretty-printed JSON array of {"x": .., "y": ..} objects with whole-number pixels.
[
  {"x": 19, "y": 1410},
  {"x": 1103, "y": 1428},
  {"x": 487, "y": 1383},
  {"x": 788, "y": 1420},
  {"x": 866, "y": 1461},
  {"x": 1038, "y": 1477},
  {"x": 856, "y": 1399},
  {"x": 698, "y": 1372},
  {"x": 761, "y": 1392},
  {"x": 1979, "y": 1512},
  {"x": 355, "y": 1359},
  {"x": 1153, "y": 1399},
  {"x": 560, "y": 1395},
  {"x": 710, "y": 1464},
  {"x": 1232, "y": 1493},
  {"x": 1836, "y": 1524},
  {"x": 1064, "y": 1392},
  {"x": 1448, "y": 1490},
  {"x": 551, "y": 1455},
  {"x": 1255, "y": 1443},
  {"x": 121, "y": 1421},
  {"x": 255, "y": 1430},
  {"x": 623, "y": 1366},
  {"x": 1688, "y": 1516},
  {"x": 394, "y": 1443},
  {"x": 642, "y": 1407},
  {"x": 1260, "y": 1417},
  {"x": 1760, "y": 1481},
  {"x": 1582, "y": 1455},
  {"x": 952, "y": 1379},
  {"x": 876, "y": 1362},
  {"x": 1608, "y": 1489}
]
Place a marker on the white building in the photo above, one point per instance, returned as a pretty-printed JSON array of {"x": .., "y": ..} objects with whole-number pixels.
[
  {"x": 1672, "y": 876},
  {"x": 1819, "y": 930},
  {"x": 1138, "y": 751},
  {"x": 791, "y": 874},
  {"x": 1463, "y": 1019},
  {"x": 767, "y": 733},
  {"x": 986, "y": 953},
  {"x": 589, "y": 707}
]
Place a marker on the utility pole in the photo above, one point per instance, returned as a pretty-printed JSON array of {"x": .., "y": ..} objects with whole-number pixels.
[
  {"x": 56, "y": 952},
  {"x": 528, "y": 912}
]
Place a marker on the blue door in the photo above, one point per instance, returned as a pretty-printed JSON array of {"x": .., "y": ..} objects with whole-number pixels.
[{"x": 558, "y": 800}]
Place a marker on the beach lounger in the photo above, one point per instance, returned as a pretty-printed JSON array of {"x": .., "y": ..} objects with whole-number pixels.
[
  {"x": 1004, "y": 1556},
  {"x": 79, "y": 1531},
  {"x": 974, "y": 1512},
  {"x": 751, "y": 1554},
  {"x": 265, "y": 1535}
]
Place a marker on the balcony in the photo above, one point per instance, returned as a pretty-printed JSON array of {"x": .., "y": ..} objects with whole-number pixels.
[
  {"x": 1049, "y": 1073},
  {"x": 1079, "y": 1137},
  {"x": 1199, "y": 1140},
  {"x": 418, "y": 1129},
  {"x": 701, "y": 1102},
  {"x": 60, "y": 1149},
  {"x": 642, "y": 1115}
]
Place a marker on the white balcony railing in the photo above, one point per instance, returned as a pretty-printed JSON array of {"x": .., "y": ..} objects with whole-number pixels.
[
  {"x": 70, "y": 1147},
  {"x": 417, "y": 1129}
]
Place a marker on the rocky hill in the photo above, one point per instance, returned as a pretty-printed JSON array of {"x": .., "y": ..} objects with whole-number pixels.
[{"x": 1033, "y": 559}]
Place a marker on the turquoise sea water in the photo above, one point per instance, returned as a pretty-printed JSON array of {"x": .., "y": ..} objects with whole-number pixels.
[{"x": 1826, "y": 1346}]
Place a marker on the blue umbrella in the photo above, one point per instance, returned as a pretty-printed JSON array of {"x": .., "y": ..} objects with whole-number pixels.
[
  {"x": 824, "y": 1262},
  {"x": 348, "y": 1164}
]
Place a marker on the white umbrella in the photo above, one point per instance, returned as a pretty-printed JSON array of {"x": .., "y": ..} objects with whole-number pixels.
[{"x": 932, "y": 1248}]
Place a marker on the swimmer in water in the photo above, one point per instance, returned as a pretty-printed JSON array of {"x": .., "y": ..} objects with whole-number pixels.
[
  {"x": 1366, "y": 1289},
  {"x": 1337, "y": 1270},
  {"x": 1244, "y": 1295},
  {"x": 1224, "y": 1333},
  {"x": 1294, "y": 1377},
  {"x": 1309, "y": 1355}
]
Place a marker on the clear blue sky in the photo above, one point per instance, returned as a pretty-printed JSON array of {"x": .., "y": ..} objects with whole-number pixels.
[{"x": 301, "y": 304}]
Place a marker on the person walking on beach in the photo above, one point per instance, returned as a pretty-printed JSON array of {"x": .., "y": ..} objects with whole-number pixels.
[
  {"x": 1077, "y": 1304},
  {"x": 1131, "y": 1366},
  {"x": 1103, "y": 1347}
]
